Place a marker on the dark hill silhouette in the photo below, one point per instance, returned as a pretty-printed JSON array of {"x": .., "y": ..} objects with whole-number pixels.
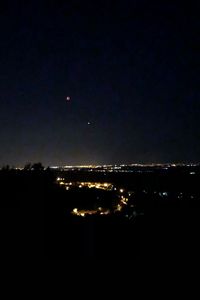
[{"x": 36, "y": 222}]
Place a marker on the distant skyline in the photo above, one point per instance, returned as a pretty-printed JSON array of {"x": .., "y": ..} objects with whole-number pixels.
[
  {"x": 171, "y": 164},
  {"x": 99, "y": 82}
]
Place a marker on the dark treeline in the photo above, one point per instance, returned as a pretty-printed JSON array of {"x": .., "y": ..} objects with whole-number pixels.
[{"x": 35, "y": 218}]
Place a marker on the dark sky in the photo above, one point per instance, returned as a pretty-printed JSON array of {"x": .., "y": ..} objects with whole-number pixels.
[{"x": 131, "y": 69}]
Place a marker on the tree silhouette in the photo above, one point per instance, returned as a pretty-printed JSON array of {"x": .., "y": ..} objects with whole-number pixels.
[
  {"x": 37, "y": 166},
  {"x": 6, "y": 168},
  {"x": 27, "y": 166}
]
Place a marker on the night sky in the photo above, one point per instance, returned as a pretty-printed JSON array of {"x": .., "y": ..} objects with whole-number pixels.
[{"x": 130, "y": 68}]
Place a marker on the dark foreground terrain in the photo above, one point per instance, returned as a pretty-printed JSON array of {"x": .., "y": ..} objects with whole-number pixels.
[{"x": 160, "y": 222}]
